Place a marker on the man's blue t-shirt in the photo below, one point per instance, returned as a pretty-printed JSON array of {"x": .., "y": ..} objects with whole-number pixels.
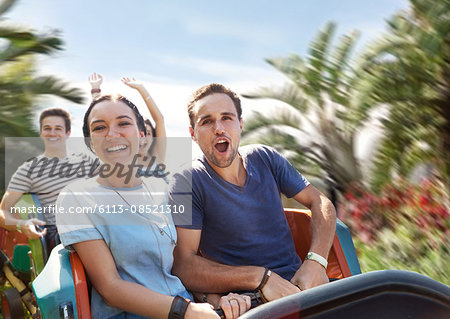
[{"x": 243, "y": 225}]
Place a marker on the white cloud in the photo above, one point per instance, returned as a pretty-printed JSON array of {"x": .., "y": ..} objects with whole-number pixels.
[
  {"x": 221, "y": 69},
  {"x": 248, "y": 32}
]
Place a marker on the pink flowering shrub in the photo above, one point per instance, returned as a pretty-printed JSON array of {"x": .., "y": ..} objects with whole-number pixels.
[{"x": 406, "y": 226}]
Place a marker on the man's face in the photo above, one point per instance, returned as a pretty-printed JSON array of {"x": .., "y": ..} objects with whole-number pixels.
[
  {"x": 53, "y": 132},
  {"x": 217, "y": 129}
]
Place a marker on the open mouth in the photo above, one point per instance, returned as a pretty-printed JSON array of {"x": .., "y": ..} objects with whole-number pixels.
[
  {"x": 116, "y": 148},
  {"x": 222, "y": 145},
  {"x": 52, "y": 139}
]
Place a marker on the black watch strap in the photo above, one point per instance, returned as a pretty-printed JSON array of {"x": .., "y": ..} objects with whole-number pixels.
[{"x": 178, "y": 308}]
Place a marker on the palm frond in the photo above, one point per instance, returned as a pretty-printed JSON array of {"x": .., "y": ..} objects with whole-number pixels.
[
  {"x": 6, "y": 5},
  {"x": 319, "y": 50},
  {"x": 318, "y": 89},
  {"x": 25, "y": 42},
  {"x": 289, "y": 93},
  {"x": 291, "y": 66},
  {"x": 54, "y": 86},
  {"x": 339, "y": 86},
  {"x": 283, "y": 118},
  {"x": 317, "y": 71}
]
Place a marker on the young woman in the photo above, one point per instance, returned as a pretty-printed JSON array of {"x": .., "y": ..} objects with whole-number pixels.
[
  {"x": 127, "y": 251},
  {"x": 154, "y": 144}
]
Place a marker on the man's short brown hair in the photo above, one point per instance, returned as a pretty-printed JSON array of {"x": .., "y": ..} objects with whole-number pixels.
[
  {"x": 56, "y": 111},
  {"x": 209, "y": 89}
]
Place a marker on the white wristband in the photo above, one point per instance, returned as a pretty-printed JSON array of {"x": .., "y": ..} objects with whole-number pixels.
[{"x": 317, "y": 258}]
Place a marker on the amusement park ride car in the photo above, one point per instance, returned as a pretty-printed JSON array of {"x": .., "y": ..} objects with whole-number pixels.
[{"x": 61, "y": 289}]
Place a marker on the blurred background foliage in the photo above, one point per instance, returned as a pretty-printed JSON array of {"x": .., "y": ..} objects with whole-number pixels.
[
  {"x": 398, "y": 209},
  {"x": 405, "y": 226},
  {"x": 20, "y": 87}
]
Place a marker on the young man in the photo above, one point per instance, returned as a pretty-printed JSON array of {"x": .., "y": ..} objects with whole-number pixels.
[
  {"x": 238, "y": 223},
  {"x": 46, "y": 175}
]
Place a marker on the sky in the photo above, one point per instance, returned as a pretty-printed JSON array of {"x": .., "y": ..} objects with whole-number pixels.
[{"x": 174, "y": 47}]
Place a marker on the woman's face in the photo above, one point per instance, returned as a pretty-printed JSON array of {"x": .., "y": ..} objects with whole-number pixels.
[
  {"x": 146, "y": 142},
  {"x": 114, "y": 132},
  {"x": 149, "y": 130}
]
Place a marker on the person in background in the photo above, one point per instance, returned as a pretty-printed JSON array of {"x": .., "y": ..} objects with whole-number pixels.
[{"x": 38, "y": 176}]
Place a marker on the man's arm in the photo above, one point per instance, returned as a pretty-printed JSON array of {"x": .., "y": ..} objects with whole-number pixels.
[
  {"x": 9, "y": 221},
  {"x": 323, "y": 227},
  {"x": 200, "y": 274}
]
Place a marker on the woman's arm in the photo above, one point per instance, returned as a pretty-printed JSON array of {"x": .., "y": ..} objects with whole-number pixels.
[
  {"x": 158, "y": 118},
  {"x": 95, "y": 80},
  {"x": 128, "y": 296}
]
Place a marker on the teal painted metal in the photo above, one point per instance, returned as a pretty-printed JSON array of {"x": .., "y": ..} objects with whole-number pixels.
[
  {"x": 55, "y": 284},
  {"x": 346, "y": 241}
]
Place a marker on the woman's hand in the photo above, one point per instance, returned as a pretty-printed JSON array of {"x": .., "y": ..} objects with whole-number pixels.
[
  {"x": 200, "y": 310},
  {"x": 234, "y": 305},
  {"x": 132, "y": 83},
  {"x": 95, "y": 80}
]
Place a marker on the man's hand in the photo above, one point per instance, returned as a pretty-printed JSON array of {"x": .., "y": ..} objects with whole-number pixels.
[
  {"x": 28, "y": 228},
  {"x": 95, "y": 80},
  {"x": 277, "y": 287},
  {"x": 132, "y": 83},
  {"x": 234, "y": 305},
  {"x": 310, "y": 274}
]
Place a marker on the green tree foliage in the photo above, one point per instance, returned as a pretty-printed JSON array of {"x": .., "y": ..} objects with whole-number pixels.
[
  {"x": 20, "y": 88},
  {"x": 409, "y": 69},
  {"x": 323, "y": 109}
]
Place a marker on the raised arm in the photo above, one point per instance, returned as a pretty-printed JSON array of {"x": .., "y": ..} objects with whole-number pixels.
[
  {"x": 11, "y": 222},
  {"x": 158, "y": 118},
  {"x": 323, "y": 227},
  {"x": 200, "y": 274},
  {"x": 95, "y": 80},
  {"x": 125, "y": 295}
]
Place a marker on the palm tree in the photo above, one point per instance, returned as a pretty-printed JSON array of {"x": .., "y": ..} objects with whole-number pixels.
[
  {"x": 19, "y": 87},
  {"x": 410, "y": 69},
  {"x": 316, "y": 125}
]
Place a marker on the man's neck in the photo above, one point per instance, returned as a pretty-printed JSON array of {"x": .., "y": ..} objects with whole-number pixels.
[
  {"x": 60, "y": 153},
  {"x": 235, "y": 173}
]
